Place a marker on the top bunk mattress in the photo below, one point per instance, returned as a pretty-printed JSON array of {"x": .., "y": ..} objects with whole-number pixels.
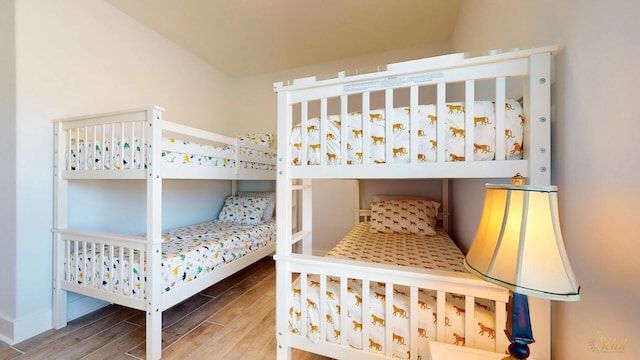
[
  {"x": 117, "y": 154},
  {"x": 484, "y": 135},
  {"x": 122, "y": 145}
]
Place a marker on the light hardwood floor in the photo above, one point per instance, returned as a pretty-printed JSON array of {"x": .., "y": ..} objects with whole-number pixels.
[{"x": 234, "y": 319}]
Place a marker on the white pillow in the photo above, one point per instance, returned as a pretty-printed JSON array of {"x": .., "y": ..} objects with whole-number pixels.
[
  {"x": 243, "y": 210},
  {"x": 270, "y": 209}
]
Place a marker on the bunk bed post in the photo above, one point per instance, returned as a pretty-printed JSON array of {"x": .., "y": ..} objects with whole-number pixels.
[
  {"x": 537, "y": 107},
  {"x": 60, "y": 221},
  {"x": 356, "y": 202},
  {"x": 154, "y": 237},
  {"x": 283, "y": 228},
  {"x": 307, "y": 216},
  {"x": 538, "y": 123},
  {"x": 234, "y": 187},
  {"x": 446, "y": 221}
]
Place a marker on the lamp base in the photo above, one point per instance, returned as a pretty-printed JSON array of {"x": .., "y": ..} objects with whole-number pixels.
[
  {"x": 518, "y": 351},
  {"x": 519, "y": 327}
]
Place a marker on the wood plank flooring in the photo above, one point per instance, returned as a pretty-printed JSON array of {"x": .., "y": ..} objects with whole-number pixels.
[{"x": 234, "y": 319}]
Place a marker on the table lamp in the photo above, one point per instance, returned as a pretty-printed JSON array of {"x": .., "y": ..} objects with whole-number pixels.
[{"x": 519, "y": 246}]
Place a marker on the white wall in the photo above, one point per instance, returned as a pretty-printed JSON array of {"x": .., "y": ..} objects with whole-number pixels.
[
  {"x": 75, "y": 57},
  {"x": 333, "y": 212},
  {"x": 7, "y": 178},
  {"x": 594, "y": 158}
]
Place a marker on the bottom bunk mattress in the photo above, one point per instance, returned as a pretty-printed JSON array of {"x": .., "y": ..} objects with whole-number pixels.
[
  {"x": 430, "y": 252},
  {"x": 187, "y": 253}
]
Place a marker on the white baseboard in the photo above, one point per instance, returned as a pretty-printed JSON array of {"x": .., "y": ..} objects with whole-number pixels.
[
  {"x": 13, "y": 332},
  {"x": 6, "y": 331}
]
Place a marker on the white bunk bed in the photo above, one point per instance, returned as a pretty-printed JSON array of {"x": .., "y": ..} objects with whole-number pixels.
[
  {"x": 139, "y": 144},
  {"x": 395, "y": 97}
]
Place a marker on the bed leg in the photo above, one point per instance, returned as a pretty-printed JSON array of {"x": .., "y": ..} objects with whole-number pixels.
[
  {"x": 283, "y": 294},
  {"x": 283, "y": 352},
  {"x": 154, "y": 334},
  {"x": 59, "y": 306},
  {"x": 59, "y": 295}
]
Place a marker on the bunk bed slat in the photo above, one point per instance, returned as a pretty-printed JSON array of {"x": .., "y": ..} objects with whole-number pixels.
[
  {"x": 388, "y": 108},
  {"x": 366, "y": 320},
  {"x": 388, "y": 321},
  {"x": 344, "y": 106},
  {"x": 413, "y": 127},
  {"x": 324, "y": 317},
  {"x": 323, "y": 133},
  {"x": 304, "y": 130},
  {"x": 343, "y": 308},
  {"x": 413, "y": 327},
  {"x": 440, "y": 124},
  {"x": 469, "y": 318},
  {"x": 304, "y": 303},
  {"x": 440, "y": 316},
  {"x": 469, "y": 124},
  {"x": 500, "y": 118},
  {"x": 366, "y": 126}
]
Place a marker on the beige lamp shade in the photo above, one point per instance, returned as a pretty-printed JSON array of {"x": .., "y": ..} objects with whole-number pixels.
[{"x": 519, "y": 244}]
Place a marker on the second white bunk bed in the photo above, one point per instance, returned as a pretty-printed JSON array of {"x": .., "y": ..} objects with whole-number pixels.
[
  {"x": 473, "y": 129},
  {"x": 156, "y": 271}
]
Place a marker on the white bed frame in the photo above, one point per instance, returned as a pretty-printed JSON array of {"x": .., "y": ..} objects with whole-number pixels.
[
  {"x": 146, "y": 124},
  {"x": 533, "y": 65}
]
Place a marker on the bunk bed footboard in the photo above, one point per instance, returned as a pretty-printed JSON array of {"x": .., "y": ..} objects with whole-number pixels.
[
  {"x": 109, "y": 267},
  {"x": 325, "y": 334}
]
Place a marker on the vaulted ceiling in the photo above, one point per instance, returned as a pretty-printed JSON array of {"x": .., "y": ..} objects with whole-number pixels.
[{"x": 249, "y": 37}]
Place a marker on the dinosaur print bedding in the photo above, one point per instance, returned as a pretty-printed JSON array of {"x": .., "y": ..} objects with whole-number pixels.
[
  {"x": 484, "y": 134},
  {"x": 187, "y": 252},
  {"x": 433, "y": 252},
  {"x": 125, "y": 154}
]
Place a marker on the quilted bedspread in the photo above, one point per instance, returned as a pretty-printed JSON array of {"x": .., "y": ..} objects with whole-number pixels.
[
  {"x": 431, "y": 252},
  {"x": 187, "y": 253},
  {"x": 484, "y": 134},
  {"x": 125, "y": 154}
]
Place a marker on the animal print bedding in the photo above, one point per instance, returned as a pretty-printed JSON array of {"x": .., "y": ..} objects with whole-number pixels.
[
  {"x": 105, "y": 156},
  {"x": 434, "y": 252},
  {"x": 187, "y": 253},
  {"x": 484, "y": 135}
]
